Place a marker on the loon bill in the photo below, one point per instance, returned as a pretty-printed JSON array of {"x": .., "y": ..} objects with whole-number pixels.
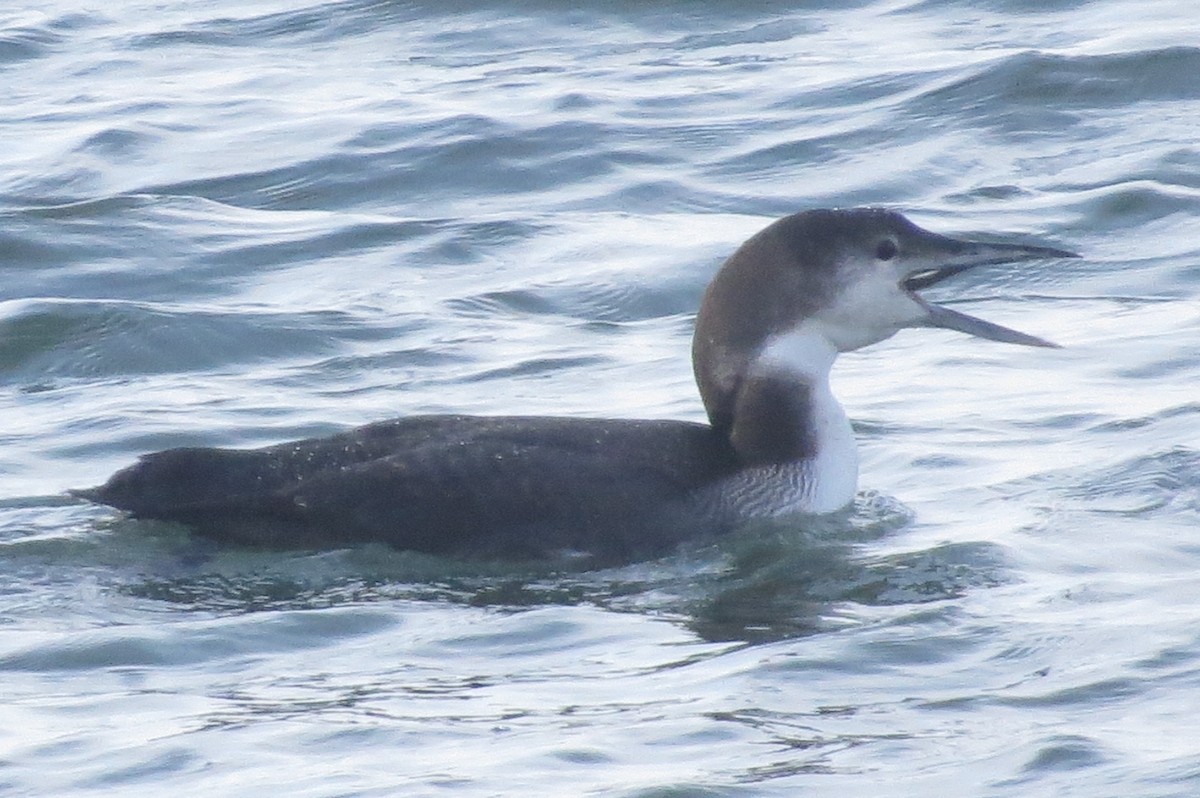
[{"x": 772, "y": 322}]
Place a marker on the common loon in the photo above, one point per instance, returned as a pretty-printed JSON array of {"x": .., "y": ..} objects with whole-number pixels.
[{"x": 772, "y": 322}]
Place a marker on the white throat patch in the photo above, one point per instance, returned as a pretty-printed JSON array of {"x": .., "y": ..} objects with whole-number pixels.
[{"x": 828, "y": 480}]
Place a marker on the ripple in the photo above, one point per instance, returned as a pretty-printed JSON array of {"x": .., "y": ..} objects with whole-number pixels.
[
  {"x": 324, "y": 22},
  {"x": 26, "y": 44},
  {"x": 1066, "y": 753},
  {"x": 1045, "y": 86},
  {"x": 119, "y": 647},
  {"x": 1151, "y": 485},
  {"x": 41, "y": 339}
]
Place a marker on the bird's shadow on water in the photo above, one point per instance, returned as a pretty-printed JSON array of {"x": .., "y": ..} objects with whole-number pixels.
[
  {"x": 786, "y": 579},
  {"x": 770, "y": 581}
]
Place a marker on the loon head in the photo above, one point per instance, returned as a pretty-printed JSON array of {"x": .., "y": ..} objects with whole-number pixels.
[{"x": 831, "y": 281}]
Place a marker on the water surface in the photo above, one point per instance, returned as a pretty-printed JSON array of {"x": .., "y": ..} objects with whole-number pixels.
[{"x": 234, "y": 224}]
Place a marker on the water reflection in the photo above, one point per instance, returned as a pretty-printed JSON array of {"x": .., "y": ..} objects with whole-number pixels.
[{"x": 774, "y": 580}]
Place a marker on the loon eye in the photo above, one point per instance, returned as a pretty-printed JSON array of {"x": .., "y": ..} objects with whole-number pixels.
[{"x": 886, "y": 249}]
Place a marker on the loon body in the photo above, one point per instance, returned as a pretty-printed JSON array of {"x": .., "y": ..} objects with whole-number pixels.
[{"x": 772, "y": 322}]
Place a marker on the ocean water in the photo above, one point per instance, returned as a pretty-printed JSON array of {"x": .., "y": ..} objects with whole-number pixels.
[{"x": 238, "y": 223}]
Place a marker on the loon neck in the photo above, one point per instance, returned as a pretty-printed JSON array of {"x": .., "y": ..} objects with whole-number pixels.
[{"x": 784, "y": 410}]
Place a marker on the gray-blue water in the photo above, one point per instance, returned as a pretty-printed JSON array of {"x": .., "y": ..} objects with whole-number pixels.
[{"x": 238, "y": 223}]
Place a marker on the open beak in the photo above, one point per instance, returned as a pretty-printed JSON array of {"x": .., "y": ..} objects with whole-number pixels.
[{"x": 955, "y": 256}]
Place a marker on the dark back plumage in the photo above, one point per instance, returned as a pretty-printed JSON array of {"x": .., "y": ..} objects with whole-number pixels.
[{"x": 517, "y": 487}]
